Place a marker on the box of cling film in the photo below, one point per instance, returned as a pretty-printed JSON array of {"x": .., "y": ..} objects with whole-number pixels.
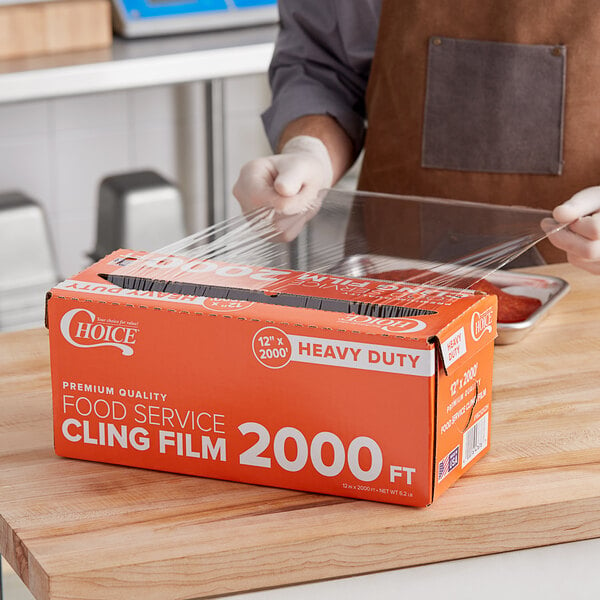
[{"x": 293, "y": 381}]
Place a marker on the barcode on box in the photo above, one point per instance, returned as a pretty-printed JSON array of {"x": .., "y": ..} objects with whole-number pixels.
[{"x": 475, "y": 439}]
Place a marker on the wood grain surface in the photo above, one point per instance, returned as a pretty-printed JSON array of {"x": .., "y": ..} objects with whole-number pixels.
[
  {"x": 38, "y": 28},
  {"x": 77, "y": 530}
]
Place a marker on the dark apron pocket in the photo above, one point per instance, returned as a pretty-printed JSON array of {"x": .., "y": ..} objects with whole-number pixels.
[{"x": 494, "y": 107}]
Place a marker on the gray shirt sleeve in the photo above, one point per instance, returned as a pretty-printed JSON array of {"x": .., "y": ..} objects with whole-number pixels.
[{"x": 321, "y": 64}]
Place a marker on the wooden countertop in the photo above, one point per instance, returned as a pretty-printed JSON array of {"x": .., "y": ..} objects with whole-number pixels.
[{"x": 78, "y": 530}]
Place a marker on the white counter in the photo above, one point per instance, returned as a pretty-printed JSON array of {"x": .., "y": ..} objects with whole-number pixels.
[{"x": 139, "y": 63}]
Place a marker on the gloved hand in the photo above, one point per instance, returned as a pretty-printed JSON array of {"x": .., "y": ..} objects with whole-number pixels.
[
  {"x": 581, "y": 239},
  {"x": 288, "y": 182}
]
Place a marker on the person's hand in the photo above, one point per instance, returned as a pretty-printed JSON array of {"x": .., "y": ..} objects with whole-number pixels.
[
  {"x": 288, "y": 183},
  {"x": 581, "y": 238}
]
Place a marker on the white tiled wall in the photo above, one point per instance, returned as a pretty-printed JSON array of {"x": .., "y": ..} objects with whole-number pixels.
[
  {"x": 153, "y": 129},
  {"x": 25, "y": 155},
  {"x": 57, "y": 151}
]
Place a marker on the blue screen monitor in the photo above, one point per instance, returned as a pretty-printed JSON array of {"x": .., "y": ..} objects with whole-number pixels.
[{"x": 139, "y": 18}]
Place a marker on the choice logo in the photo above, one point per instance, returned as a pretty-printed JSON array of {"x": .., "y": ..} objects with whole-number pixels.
[
  {"x": 83, "y": 329},
  {"x": 225, "y": 305},
  {"x": 405, "y": 325},
  {"x": 481, "y": 323},
  {"x": 400, "y": 325}
]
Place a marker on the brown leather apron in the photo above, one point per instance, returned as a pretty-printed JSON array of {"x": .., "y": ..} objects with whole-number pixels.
[{"x": 484, "y": 101}]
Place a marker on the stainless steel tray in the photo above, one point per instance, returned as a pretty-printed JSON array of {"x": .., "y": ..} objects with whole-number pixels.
[{"x": 546, "y": 288}]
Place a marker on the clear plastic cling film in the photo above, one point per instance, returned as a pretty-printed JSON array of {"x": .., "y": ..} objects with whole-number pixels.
[{"x": 421, "y": 241}]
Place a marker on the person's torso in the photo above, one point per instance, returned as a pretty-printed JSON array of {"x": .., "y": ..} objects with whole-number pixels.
[{"x": 485, "y": 101}]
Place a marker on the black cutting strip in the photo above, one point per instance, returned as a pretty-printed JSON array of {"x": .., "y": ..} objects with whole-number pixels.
[{"x": 280, "y": 299}]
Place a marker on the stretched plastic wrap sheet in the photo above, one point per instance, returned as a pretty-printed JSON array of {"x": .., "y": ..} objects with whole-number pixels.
[{"x": 356, "y": 238}]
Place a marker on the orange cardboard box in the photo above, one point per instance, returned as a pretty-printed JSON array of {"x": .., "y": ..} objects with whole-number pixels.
[{"x": 392, "y": 409}]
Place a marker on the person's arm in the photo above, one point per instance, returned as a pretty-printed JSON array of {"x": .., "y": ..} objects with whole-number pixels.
[
  {"x": 321, "y": 64},
  {"x": 316, "y": 121},
  {"x": 338, "y": 143},
  {"x": 581, "y": 239},
  {"x": 314, "y": 153}
]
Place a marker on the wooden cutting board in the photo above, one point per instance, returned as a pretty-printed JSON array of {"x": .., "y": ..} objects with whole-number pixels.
[
  {"x": 81, "y": 530},
  {"x": 37, "y": 28}
]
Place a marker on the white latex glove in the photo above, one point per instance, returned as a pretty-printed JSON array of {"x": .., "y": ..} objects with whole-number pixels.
[
  {"x": 288, "y": 182},
  {"x": 581, "y": 239}
]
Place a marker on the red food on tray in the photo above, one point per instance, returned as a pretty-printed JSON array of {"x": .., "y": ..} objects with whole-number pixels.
[{"x": 511, "y": 308}]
